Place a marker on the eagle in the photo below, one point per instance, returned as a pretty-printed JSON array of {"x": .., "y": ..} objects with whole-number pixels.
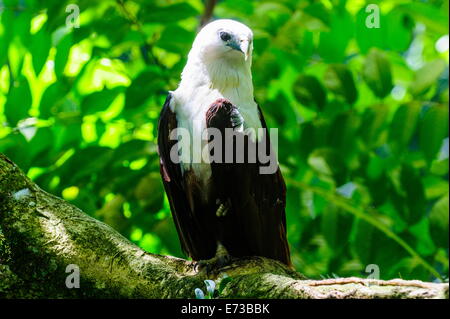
[{"x": 222, "y": 209}]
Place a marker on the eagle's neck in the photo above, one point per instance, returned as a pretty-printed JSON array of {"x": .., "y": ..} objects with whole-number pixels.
[{"x": 230, "y": 77}]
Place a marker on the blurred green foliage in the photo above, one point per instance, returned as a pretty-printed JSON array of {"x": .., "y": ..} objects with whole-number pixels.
[{"x": 362, "y": 116}]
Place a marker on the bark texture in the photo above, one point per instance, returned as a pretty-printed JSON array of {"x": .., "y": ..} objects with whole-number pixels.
[{"x": 40, "y": 235}]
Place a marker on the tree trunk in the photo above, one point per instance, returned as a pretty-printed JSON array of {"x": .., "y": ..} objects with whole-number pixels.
[{"x": 42, "y": 237}]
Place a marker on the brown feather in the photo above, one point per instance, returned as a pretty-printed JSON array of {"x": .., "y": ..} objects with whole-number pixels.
[{"x": 255, "y": 223}]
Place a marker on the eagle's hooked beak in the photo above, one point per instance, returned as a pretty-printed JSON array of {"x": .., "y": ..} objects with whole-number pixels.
[
  {"x": 240, "y": 45},
  {"x": 245, "y": 47}
]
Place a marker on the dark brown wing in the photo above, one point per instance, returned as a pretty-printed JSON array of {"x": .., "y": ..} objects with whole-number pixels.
[
  {"x": 188, "y": 211},
  {"x": 256, "y": 223},
  {"x": 275, "y": 193}
]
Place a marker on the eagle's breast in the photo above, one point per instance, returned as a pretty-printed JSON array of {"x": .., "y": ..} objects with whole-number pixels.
[
  {"x": 191, "y": 115},
  {"x": 202, "y": 84}
]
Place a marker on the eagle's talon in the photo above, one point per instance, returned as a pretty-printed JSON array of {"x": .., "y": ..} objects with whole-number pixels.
[
  {"x": 209, "y": 266},
  {"x": 223, "y": 261},
  {"x": 223, "y": 209},
  {"x": 203, "y": 266},
  {"x": 220, "y": 260}
]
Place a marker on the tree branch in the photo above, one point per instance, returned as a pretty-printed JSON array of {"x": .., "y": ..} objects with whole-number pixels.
[
  {"x": 208, "y": 12},
  {"x": 40, "y": 235}
]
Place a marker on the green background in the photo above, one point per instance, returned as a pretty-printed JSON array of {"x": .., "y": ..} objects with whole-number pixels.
[{"x": 362, "y": 116}]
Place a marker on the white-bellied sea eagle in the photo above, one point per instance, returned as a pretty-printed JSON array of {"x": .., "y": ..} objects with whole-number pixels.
[{"x": 221, "y": 208}]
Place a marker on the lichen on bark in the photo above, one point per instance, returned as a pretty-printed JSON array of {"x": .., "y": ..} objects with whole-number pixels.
[{"x": 40, "y": 235}]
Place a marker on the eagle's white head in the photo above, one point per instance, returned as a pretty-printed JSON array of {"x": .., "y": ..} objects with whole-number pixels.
[
  {"x": 224, "y": 39},
  {"x": 220, "y": 58}
]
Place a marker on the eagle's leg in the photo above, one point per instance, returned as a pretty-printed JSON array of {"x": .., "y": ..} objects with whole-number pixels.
[{"x": 221, "y": 259}]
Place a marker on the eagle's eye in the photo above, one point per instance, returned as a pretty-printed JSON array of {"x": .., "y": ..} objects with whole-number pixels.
[{"x": 225, "y": 36}]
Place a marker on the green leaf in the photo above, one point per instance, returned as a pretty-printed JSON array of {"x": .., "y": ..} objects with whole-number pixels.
[
  {"x": 268, "y": 65},
  {"x": 16, "y": 57},
  {"x": 415, "y": 195},
  {"x": 362, "y": 243},
  {"x": 342, "y": 134},
  {"x": 111, "y": 17},
  {"x": 375, "y": 169},
  {"x": 336, "y": 226},
  {"x": 306, "y": 141},
  {"x": 327, "y": 162},
  {"x": 423, "y": 241},
  {"x": 223, "y": 283},
  {"x": 439, "y": 222},
  {"x": 310, "y": 92},
  {"x": 433, "y": 128},
  {"x": 426, "y": 76},
  {"x": 18, "y": 101},
  {"x": 7, "y": 23},
  {"x": 403, "y": 126},
  {"x": 333, "y": 44},
  {"x": 432, "y": 16},
  {"x": 377, "y": 73},
  {"x": 81, "y": 165},
  {"x": 435, "y": 187},
  {"x": 176, "y": 12},
  {"x": 374, "y": 125},
  {"x": 40, "y": 48},
  {"x": 66, "y": 136},
  {"x": 13, "y": 146},
  {"x": 318, "y": 11},
  {"x": 369, "y": 37},
  {"x": 146, "y": 83},
  {"x": 131, "y": 150},
  {"x": 40, "y": 146},
  {"x": 339, "y": 80},
  {"x": 99, "y": 101},
  {"x": 318, "y": 160},
  {"x": 53, "y": 98},
  {"x": 440, "y": 168},
  {"x": 62, "y": 54},
  {"x": 400, "y": 27},
  {"x": 175, "y": 39},
  {"x": 271, "y": 16},
  {"x": 314, "y": 135},
  {"x": 394, "y": 33},
  {"x": 22, "y": 22}
]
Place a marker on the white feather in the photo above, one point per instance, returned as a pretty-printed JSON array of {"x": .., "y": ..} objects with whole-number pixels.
[{"x": 215, "y": 71}]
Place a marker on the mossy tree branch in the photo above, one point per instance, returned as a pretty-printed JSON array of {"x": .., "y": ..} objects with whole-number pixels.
[{"x": 40, "y": 235}]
